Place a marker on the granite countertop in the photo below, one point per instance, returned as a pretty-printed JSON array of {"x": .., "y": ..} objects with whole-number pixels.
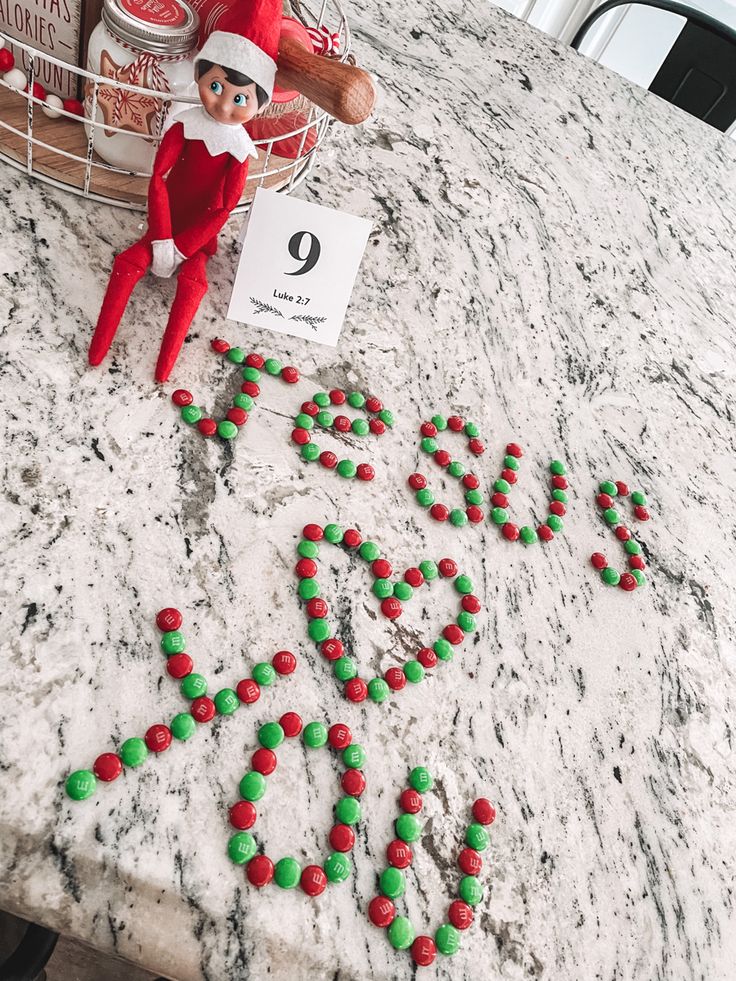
[{"x": 553, "y": 258}]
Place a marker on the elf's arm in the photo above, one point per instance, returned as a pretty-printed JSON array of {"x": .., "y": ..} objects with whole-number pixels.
[
  {"x": 196, "y": 236},
  {"x": 159, "y": 212}
]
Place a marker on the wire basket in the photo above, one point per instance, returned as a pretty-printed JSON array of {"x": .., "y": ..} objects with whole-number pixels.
[{"x": 61, "y": 151}]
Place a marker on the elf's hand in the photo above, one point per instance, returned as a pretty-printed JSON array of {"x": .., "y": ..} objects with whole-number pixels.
[{"x": 164, "y": 262}]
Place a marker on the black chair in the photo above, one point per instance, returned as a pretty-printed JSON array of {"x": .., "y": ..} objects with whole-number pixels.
[
  {"x": 30, "y": 956},
  {"x": 699, "y": 73}
]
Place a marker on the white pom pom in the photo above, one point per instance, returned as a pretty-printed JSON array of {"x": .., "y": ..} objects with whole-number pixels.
[
  {"x": 16, "y": 78},
  {"x": 52, "y": 103}
]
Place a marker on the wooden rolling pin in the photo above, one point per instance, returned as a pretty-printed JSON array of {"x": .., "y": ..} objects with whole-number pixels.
[{"x": 344, "y": 91}]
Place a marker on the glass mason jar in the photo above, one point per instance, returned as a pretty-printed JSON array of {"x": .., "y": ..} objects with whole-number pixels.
[{"x": 150, "y": 44}]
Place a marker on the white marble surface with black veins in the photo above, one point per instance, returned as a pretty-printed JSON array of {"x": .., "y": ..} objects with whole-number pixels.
[{"x": 553, "y": 257}]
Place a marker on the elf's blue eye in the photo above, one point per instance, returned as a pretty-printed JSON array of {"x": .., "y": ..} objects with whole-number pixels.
[
  {"x": 240, "y": 99},
  {"x": 216, "y": 87}
]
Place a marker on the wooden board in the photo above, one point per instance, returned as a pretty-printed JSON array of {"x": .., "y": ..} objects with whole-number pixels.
[{"x": 70, "y": 136}]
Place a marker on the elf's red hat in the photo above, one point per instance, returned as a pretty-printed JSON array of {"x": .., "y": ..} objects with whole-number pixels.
[{"x": 247, "y": 40}]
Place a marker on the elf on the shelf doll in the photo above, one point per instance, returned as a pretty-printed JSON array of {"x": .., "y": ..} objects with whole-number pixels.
[{"x": 198, "y": 174}]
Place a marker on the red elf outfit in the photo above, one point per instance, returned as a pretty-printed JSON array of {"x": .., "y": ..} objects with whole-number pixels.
[{"x": 198, "y": 177}]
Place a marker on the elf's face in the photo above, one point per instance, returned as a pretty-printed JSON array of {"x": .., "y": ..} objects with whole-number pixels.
[{"x": 225, "y": 102}]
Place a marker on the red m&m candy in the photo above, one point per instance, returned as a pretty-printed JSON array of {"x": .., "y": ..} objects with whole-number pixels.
[
  {"x": 222, "y": 347},
  {"x": 352, "y": 538},
  {"x": 598, "y": 560},
  {"x": 263, "y": 761},
  {"x": 470, "y": 861},
  {"x": 254, "y": 360},
  {"x": 381, "y": 911},
  {"x": 381, "y": 569},
  {"x": 242, "y": 815},
  {"x": 108, "y": 767},
  {"x": 483, "y": 811},
  {"x": 395, "y": 679},
  {"x": 460, "y": 914},
  {"x": 339, "y": 736},
  {"x": 356, "y": 690},
  {"x": 260, "y": 871},
  {"x": 448, "y": 568},
  {"x": 513, "y": 449},
  {"x": 391, "y": 608},
  {"x": 168, "y": 619},
  {"x": 284, "y": 662},
  {"x": 179, "y": 665},
  {"x": 423, "y": 951},
  {"x": 203, "y": 709},
  {"x": 410, "y": 801},
  {"x": 313, "y": 880},
  {"x": 248, "y": 691},
  {"x": 207, "y": 427},
  {"x": 290, "y": 375},
  {"x": 364, "y": 471},
  {"x": 417, "y": 481},
  {"x": 313, "y": 533},
  {"x": 291, "y": 723},
  {"x": 399, "y": 854},
  {"x": 158, "y": 738},
  {"x": 353, "y": 782},
  {"x": 342, "y": 838},
  {"x": 182, "y": 397}
]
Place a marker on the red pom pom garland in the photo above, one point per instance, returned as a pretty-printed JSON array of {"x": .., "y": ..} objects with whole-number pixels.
[
  {"x": 418, "y": 482},
  {"x": 392, "y": 592},
  {"x": 382, "y": 910}
]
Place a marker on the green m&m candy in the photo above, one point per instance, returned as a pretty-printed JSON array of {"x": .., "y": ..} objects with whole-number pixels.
[
  {"x": 236, "y": 355},
  {"x": 253, "y": 786},
  {"x": 554, "y": 522},
  {"x": 369, "y": 551},
  {"x": 414, "y": 672},
  {"x": 307, "y": 549},
  {"x": 333, "y": 533},
  {"x": 134, "y": 751},
  {"x": 344, "y": 668},
  {"x": 447, "y": 939},
  {"x": 386, "y": 417},
  {"x": 251, "y": 374},
  {"x": 353, "y": 756},
  {"x": 429, "y": 569},
  {"x": 470, "y": 890},
  {"x": 429, "y": 444},
  {"x": 182, "y": 726},
  {"x": 421, "y": 779},
  {"x": 347, "y": 810},
  {"x": 287, "y": 873},
  {"x": 502, "y": 486},
  {"x": 632, "y": 547},
  {"x": 226, "y": 701},
  {"x": 510, "y": 462},
  {"x": 400, "y": 933},
  {"x": 378, "y": 690},
  {"x": 557, "y": 468},
  {"x": 322, "y": 399},
  {"x": 402, "y": 591},
  {"x": 173, "y": 642},
  {"x": 443, "y": 649},
  {"x": 639, "y": 576},
  {"x": 638, "y": 498},
  {"x": 81, "y": 784},
  {"x": 471, "y": 430},
  {"x": 304, "y": 421},
  {"x": 474, "y": 497},
  {"x": 464, "y": 585},
  {"x": 193, "y": 686},
  {"x": 610, "y": 576},
  {"x": 308, "y": 588},
  {"x": 528, "y": 535},
  {"x": 466, "y": 622},
  {"x": 425, "y": 498},
  {"x": 612, "y": 516},
  {"x": 270, "y": 735},
  {"x": 408, "y": 827},
  {"x": 458, "y": 518},
  {"x": 360, "y": 427},
  {"x": 319, "y": 630},
  {"x": 392, "y": 882},
  {"x": 456, "y": 469},
  {"x": 608, "y": 487},
  {"x": 439, "y": 422},
  {"x": 324, "y": 419},
  {"x": 383, "y": 588},
  {"x": 272, "y": 366},
  {"x": 499, "y": 516},
  {"x": 244, "y": 402},
  {"x": 338, "y": 867},
  {"x": 264, "y": 673},
  {"x": 241, "y": 847},
  {"x": 310, "y": 452},
  {"x": 315, "y": 735},
  {"x": 191, "y": 414},
  {"x": 227, "y": 429},
  {"x": 559, "y": 495},
  {"x": 356, "y": 400},
  {"x": 476, "y": 837}
]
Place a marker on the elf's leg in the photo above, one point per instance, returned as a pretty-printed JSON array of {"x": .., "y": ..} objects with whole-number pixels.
[
  {"x": 190, "y": 289},
  {"x": 127, "y": 269}
]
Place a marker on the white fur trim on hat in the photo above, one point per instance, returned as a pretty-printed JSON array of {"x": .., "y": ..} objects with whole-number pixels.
[{"x": 242, "y": 55}]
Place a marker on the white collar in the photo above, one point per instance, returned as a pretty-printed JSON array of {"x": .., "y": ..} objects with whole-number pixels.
[{"x": 217, "y": 137}]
